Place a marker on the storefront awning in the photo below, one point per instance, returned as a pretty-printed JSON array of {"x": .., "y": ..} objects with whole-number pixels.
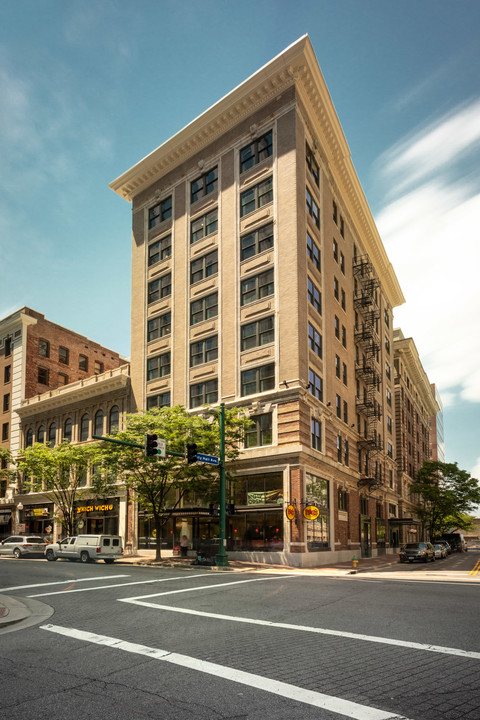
[{"x": 5, "y": 516}]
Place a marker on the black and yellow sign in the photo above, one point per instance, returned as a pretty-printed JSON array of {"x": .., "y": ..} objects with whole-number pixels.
[
  {"x": 290, "y": 512},
  {"x": 94, "y": 508},
  {"x": 311, "y": 512}
]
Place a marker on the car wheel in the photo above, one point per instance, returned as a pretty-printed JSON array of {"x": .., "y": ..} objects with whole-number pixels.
[
  {"x": 17, "y": 553},
  {"x": 410, "y": 561},
  {"x": 84, "y": 557},
  {"x": 50, "y": 555},
  {"x": 425, "y": 560},
  {"x": 109, "y": 561}
]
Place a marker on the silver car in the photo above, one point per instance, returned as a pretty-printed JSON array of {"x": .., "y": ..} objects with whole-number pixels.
[{"x": 23, "y": 546}]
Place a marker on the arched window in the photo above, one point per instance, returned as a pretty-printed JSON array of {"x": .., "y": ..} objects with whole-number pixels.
[
  {"x": 99, "y": 422},
  {"x": 67, "y": 430},
  {"x": 29, "y": 438},
  {"x": 114, "y": 419},
  {"x": 52, "y": 434},
  {"x": 84, "y": 427},
  {"x": 41, "y": 434}
]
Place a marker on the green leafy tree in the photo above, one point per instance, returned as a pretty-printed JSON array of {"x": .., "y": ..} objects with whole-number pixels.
[
  {"x": 446, "y": 495},
  {"x": 59, "y": 474},
  {"x": 6, "y": 475},
  {"x": 161, "y": 484}
]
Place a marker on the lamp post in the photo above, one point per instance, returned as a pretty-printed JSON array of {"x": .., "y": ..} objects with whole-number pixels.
[{"x": 222, "y": 557}]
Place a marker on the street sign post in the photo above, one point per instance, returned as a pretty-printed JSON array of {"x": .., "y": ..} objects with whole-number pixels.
[{"x": 209, "y": 459}]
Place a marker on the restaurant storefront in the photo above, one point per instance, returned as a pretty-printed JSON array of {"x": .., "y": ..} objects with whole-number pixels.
[
  {"x": 39, "y": 519},
  {"x": 97, "y": 517}
]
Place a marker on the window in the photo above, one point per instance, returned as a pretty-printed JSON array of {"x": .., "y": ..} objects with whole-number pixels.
[
  {"x": 41, "y": 434},
  {"x": 316, "y": 428},
  {"x": 84, "y": 427},
  {"x": 114, "y": 419},
  {"x": 52, "y": 434},
  {"x": 29, "y": 438},
  {"x": 387, "y": 344},
  {"x": 313, "y": 252},
  {"x": 158, "y": 366},
  {"x": 387, "y": 318},
  {"x": 260, "y": 433},
  {"x": 204, "y": 393},
  {"x": 342, "y": 263},
  {"x": 204, "y": 267},
  {"x": 337, "y": 366},
  {"x": 315, "y": 385},
  {"x": 43, "y": 375},
  {"x": 257, "y": 287},
  {"x": 159, "y": 250},
  {"x": 6, "y": 402},
  {"x": 98, "y": 367},
  {"x": 63, "y": 355},
  {"x": 67, "y": 430},
  {"x": 390, "y": 450},
  {"x": 344, "y": 336},
  {"x": 160, "y": 288},
  {"x": 158, "y": 401},
  {"x": 389, "y": 397},
  {"x": 256, "y": 151},
  {"x": 343, "y": 500},
  {"x": 337, "y": 328},
  {"x": 342, "y": 227},
  {"x": 204, "y": 309},
  {"x": 5, "y": 429},
  {"x": 83, "y": 362},
  {"x": 315, "y": 340},
  {"x": 339, "y": 448},
  {"x": 158, "y": 213},
  {"x": 99, "y": 417},
  {"x": 387, "y": 370},
  {"x": 62, "y": 379},
  {"x": 335, "y": 212},
  {"x": 205, "y": 225},
  {"x": 336, "y": 289},
  {"x": 7, "y": 373},
  {"x": 256, "y": 241},
  {"x": 159, "y": 326},
  {"x": 364, "y": 505},
  {"x": 392, "y": 509},
  {"x": 204, "y": 185},
  {"x": 204, "y": 351},
  {"x": 8, "y": 346},
  {"x": 256, "y": 197},
  {"x": 344, "y": 374},
  {"x": 312, "y": 166},
  {"x": 335, "y": 250},
  {"x": 312, "y": 208},
  {"x": 43, "y": 348},
  {"x": 259, "y": 332},
  {"x": 258, "y": 379},
  {"x": 314, "y": 296},
  {"x": 338, "y": 405},
  {"x": 345, "y": 412},
  {"x": 389, "y": 424},
  {"x": 343, "y": 300}
]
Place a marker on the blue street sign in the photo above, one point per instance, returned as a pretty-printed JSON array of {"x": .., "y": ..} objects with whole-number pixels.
[{"x": 210, "y": 459}]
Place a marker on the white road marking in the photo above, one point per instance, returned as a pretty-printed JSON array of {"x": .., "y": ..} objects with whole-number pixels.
[
  {"x": 63, "y": 582},
  {"x": 306, "y": 628},
  {"x": 291, "y": 692},
  {"x": 106, "y": 587}
]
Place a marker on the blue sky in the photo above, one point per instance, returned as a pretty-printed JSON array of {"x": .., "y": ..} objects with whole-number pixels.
[{"x": 89, "y": 88}]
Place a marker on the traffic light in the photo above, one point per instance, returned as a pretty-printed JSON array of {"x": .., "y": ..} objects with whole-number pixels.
[
  {"x": 214, "y": 509},
  {"x": 191, "y": 453},
  {"x": 230, "y": 509},
  {"x": 151, "y": 445}
]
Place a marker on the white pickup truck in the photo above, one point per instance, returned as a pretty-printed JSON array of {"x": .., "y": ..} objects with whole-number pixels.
[{"x": 86, "y": 548}]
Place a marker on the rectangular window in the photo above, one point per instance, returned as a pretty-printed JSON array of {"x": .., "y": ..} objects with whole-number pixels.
[
  {"x": 62, "y": 379},
  {"x": 315, "y": 340},
  {"x": 7, "y": 373},
  {"x": 316, "y": 428},
  {"x": 6, "y": 402},
  {"x": 256, "y": 151},
  {"x": 312, "y": 208},
  {"x": 387, "y": 344},
  {"x": 337, "y": 366},
  {"x": 312, "y": 165},
  {"x": 5, "y": 431},
  {"x": 344, "y": 336},
  {"x": 256, "y": 197},
  {"x": 83, "y": 362},
  {"x": 42, "y": 376},
  {"x": 256, "y": 241},
  {"x": 204, "y": 185},
  {"x": 342, "y": 227},
  {"x": 345, "y": 412},
  {"x": 335, "y": 250},
  {"x": 313, "y": 252},
  {"x": 336, "y": 289},
  {"x": 342, "y": 262},
  {"x": 257, "y": 287},
  {"x": 8, "y": 347},
  {"x": 260, "y": 433},
  {"x": 338, "y": 406},
  {"x": 158, "y": 401},
  {"x": 158, "y": 213},
  {"x": 159, "y": 326},
  {"x": 343, "y": 299},
  {"x": 314, "y": 296},
  {"x": 204, "y": 309},
  {"x": 158, "y": 289},
  {"x": 337, "y": 328},
  {"x": 344, "y": 374},
  {"x": 390, "y": 450},
  {"x": 159, "y": 250},
  {"x": 63, "y": 355},
  {"x": 257, "y": 333},
  {"x": 258, "y": 379},
  {"x": 389, "y": 424},
  {"x": 387, "y": 370},
  {"x": 204, "y": 393},
  {"x": 335, "y": 212},
  {"x": 204, "y": 351},
  {"x": 343, "y": 500},
  {"x": 98, "y": 367},
  {"x": 389, "y": 397},
  {"x": 158, "y": 366},
  {"x": 43, "y": 348},
  {"x": 315, "y": 385},
  {"x": 204, "y": 267},
  {"x": 205, "y": 225},
  {"x": 339, "y": 448}
]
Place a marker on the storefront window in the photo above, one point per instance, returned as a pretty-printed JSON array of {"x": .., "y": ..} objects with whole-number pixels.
[
  {"x": 266, "y": 489},
  {"x": 318, "y": 530}
]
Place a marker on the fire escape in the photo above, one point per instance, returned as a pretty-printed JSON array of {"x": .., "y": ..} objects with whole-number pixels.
[{"x": 366, "y": 368}]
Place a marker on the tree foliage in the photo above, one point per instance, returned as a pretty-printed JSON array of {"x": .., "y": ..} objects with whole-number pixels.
[
  {"x": 161, "y": 484},
  {"x": 446, "y": 496}
]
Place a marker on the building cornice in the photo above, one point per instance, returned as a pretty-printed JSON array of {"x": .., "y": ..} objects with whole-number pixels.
[{"x": 406, "y": 349}]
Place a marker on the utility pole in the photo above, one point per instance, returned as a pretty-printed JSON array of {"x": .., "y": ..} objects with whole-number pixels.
[{"x": 222, "y": 557}]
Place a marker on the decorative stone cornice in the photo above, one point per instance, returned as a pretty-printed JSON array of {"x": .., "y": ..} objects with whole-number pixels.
[{"x": 405, "y": 349}]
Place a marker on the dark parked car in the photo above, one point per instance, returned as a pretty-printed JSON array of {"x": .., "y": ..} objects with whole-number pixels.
[{"x": 422, "y": 551}]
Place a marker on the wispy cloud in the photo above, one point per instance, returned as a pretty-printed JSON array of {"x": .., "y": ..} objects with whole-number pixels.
[{"x": 429, "y": 223}]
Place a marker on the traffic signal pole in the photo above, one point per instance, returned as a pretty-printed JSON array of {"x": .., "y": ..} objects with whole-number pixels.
[{"x": 222, "y": 557}]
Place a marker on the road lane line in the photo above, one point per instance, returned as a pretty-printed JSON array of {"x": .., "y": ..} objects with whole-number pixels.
[
  {"x": 63, "y": 582},
  {"x": 346, "y": 708},
  {"x": 314, "y": 630},
  {"x": 475, "y": 569},
  {"x": 106, "y": 587}
]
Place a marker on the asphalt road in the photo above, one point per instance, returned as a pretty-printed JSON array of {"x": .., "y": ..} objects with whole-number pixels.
[{"x": 132, "y": 642}]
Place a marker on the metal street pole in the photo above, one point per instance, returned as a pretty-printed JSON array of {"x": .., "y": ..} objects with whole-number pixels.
[{"x": 222, "y": 557}]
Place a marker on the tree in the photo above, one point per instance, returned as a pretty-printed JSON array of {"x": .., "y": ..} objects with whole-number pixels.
[
  {"x": 160, "y": 484},
  {"x": 59, "y": 473},
  {"x": 447, "y": 494}
]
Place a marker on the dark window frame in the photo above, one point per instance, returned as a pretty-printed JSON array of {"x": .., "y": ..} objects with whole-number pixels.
[
  {"x": 159, "y": 288},
  {"x": 159, "y": 366},
  {"x": 256, "y": 196},
  {"x": 160, "y": 212},
  {"x": 160, "y": 249},
  {"x": 256, "y": 241},
  {"x": 258, "y": 379},
  {"x": 256, "y": 151},
  {"x": 201, "y": 309},
  {"x": 204, "y": 266},
  {"x": 159, "y": 326},
  {"x": 204, "y": 393},
  {"x": 263, "y": 286},
  {"x": 204, "y": 351},
  {"x": 203, "y": 226},
  {"x": 204, "y": 185}
]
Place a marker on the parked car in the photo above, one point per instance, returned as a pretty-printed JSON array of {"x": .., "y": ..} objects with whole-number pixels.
[
  {"x": 86, "y": 548},
  {"x": 440, "y": 551},
  {"x": 23, "y": 546},
  {"x": 455, "y": 540},
  {"x": 445, "y": 544},
  {"x": 422, "y": 551}
]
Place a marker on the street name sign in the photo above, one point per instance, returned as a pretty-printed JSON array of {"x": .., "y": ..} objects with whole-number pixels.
[{"x": 209, "y": 459}]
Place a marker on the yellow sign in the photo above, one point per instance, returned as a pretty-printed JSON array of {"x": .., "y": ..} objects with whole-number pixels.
[
  {"x": 39, "y": 512},
  {"x": 311, "y": 512},
  {"x": 290, "y": 512},
  {"x": 94, "y": 508}
]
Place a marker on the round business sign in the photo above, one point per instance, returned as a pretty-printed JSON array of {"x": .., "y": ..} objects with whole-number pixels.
[
  {"x": 311, "y": 512},
  {"x": 290, "y": 512},
  {"x": 80, "y": 524}
]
